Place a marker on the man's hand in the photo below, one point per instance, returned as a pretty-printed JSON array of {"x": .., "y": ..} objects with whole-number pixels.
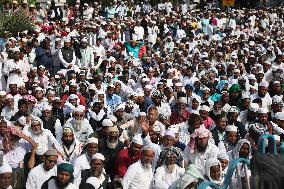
[{"x": 144, "y": 123}]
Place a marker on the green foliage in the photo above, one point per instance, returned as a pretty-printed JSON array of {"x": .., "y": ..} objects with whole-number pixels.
[{"x": 15, "y": 23}]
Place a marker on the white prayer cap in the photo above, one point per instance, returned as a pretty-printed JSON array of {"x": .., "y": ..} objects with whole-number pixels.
[
  {"x": 113, "y": 118},
  {"x": 5, "y": 168},
  {"x": 142, "y": 114},
  {"x": 58, "y": 39},
  {"x": 141, "y": 93},
  {"x": 198, "y": 98},
  {"x": 231, "y": 128},
  {"x": 245, "y": 96},
  {"x": 196, "y": 112},
  {"x": 101, "y": 92},
  {"x": 262, "y": 110},
  {"x": 223, "y": 155},
  {"x": 119, "y": 107},
  {"x": 3, "y": 93},
  {"x": 237, "y": 71},
  {"x": 170, "y": 133},
  {"x": 113, "y": 129},
  {"x": 92, "y": 87},
  {"x": 92, "y": 140},
  {"x": 174, "y": 129},
  {"x": 107, "y": 123},
  {"x": 24, "y": 39},
  {"x": 251, "y": 77},
  {"x": 38, "y": 89},
  {"x": 156, "y": 129},
  {"x": 279, "y": 116},
  {"x": 233, "y": 109},
  {"x": 254, "y": 107},
  {"x": 9, "y": 96},
  {"x": 148, "y": 147},
  {"x": 276, "y": 99},
  {"x": 264, "y": 84},
  {"x": 148, "y": 87},
  {"x": 146, "y": 79},
  {"x": 170, "y": 71},
  {"x": 179, "y": 84},
  {"x": 205, "y": 108},
  {"x": 84, "y": 40},
  {"x": 98, "y": 156},
  {"x": 94, "y": 181},
  {"x": 16, "y": 49},
  {"x": 72, "y": 97},
  {"x": 182, "y": 100},
  {"x": 80, "y": 108},
  {"x": 137, "y": 140},
  {"x": 86, "y": 4},
  {"x": 47, "y": 107},
  {"x": 67, "y": 39}
]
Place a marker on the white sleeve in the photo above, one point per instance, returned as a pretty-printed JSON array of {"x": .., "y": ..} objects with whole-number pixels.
[
  {"x": 65, "y": 64},
  {"x": 128, "y": 177},
  {"x": 31, "y": 181},
  {"x": 158, "y": 178}
]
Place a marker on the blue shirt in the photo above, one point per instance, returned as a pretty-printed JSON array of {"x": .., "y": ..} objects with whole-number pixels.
[{"x": 113, "y": 101}]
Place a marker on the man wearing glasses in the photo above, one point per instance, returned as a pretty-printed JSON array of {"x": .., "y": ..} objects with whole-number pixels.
[{"x": 44, "y": 171}]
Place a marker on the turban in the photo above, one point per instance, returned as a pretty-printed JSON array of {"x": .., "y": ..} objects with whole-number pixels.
[
  {"x": 167, "y": 152},
  {"x": 201, "y": 132},
  {"x": 68, "y": 167},
  {"x": 235, "y": 88}
]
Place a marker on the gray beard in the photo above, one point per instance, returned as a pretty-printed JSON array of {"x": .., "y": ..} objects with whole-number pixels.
[
  {"x": 112, "y": 145},
  {"x": 170, "y": 168},
  {"x": 147, "y": 166},
  {"x": 77, "y": 124}
]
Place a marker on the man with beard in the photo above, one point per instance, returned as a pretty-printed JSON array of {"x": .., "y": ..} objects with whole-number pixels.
[
  {"x": 200, "y": 149},
  {"x": 249, "y": 116},
  {"x": 218, "y": 133},
  {"x": 5, "y": 176},
  {"x": 112, "y": 99},
  {"x": 232, "y": 116},
  {"x": 110, "y": 147},
  {"x": 39, "y": 174},
  {"x": 263, "y": 95},
  {"x": 80, "y": 125},
  {"x": 73, "y": 90},
  {"x": 128, "y": 156},
  {"x": 70, "y": 146},
  {"x": 217, "y": 109},
  {"x": 269, "y": 126},
  {"x": 57, "y": 110},
  {"x": 140, "y": 174},
  {"x": 64, "y": 178},
  {"x": 95, "y": 175},
  {"x": 83, "y": 161},
  {"x": 170, "y": 168},
  {"x": 118, "y": 113},
  {"x": 163, "y": 108},
  {"x": 97, "y": 114},
  {"x": 48, "y": 119}
]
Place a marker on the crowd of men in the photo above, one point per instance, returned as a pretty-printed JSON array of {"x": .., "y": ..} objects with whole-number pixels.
[{"x": 135, "y": 96}]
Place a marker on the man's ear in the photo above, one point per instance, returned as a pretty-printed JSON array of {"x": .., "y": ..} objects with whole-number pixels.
[{"x": 43, "y": 158}]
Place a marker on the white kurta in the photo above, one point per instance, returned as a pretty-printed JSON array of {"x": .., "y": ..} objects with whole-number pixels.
[
  {"x": 38, "y": 176},
  {"x": 137, "y": 177},
  {"x": 163, "y": 179},
  {"x": 81, "y": 163}
]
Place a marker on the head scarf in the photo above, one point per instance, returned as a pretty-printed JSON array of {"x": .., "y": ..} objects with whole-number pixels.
[
  {"x": 68, "y": 167},
  {"x": 192, "y": 174},
  {"x": 236, "y": 150},
  {"x": 201, "y": 132},
  {"x": 210, "y": 163},
  {"x": 220, "y": 86},
  {"x": 235, "y": 88},
  {"x": 167, "y": 152}
]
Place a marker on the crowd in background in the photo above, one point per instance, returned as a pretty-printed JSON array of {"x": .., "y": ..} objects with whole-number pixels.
[{"x": 135, "y": 96}]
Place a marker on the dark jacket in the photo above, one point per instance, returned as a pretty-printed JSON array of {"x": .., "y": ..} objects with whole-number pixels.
[{"x": 86, "y": 173}]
